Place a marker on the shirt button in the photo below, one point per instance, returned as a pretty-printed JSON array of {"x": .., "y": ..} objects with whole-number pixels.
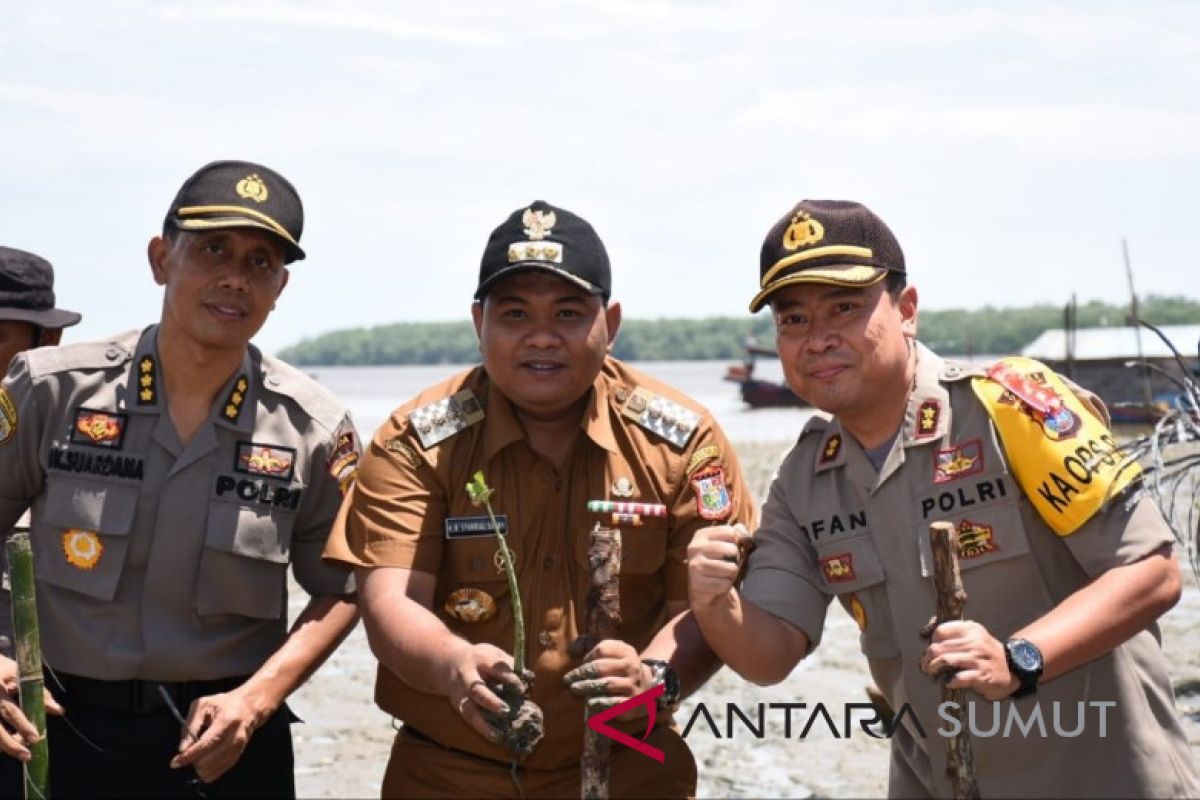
[
  {"x": 545, "y": 639},
  {"x": 273, "y": 381},
  {"x": 621, "y": 395},
  {"x": 111, "y": 354},
  {"x": 547, "y": 562}
]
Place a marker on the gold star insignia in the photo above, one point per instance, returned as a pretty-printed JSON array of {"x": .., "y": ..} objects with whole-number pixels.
[
  {"x": 241, "y": 384},
  {"x": 927, "y": 417},
  {"x": 147, "y": 365},
  {"x": 146, "y": 381},
  {"x": 231, "y": 411},
  {"x": 147, "y": 395},
  {"x": 236, "y": 398}
]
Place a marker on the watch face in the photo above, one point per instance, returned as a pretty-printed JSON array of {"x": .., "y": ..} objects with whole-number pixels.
[{"x": 1026, "y": 656}]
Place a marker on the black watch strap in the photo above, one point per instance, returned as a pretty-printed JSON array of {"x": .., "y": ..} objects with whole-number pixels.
[
  {"x": 665, "y": 674},
  {"x": 1027, "y": 679}
]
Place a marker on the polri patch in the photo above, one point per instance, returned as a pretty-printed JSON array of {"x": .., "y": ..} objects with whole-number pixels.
[
  {"x": 473, "y": 527},
  {"x": 958, "y": 461},
  {"x": 8, "y": 417},
  {"x": 98, "y": 428},
  {"x": 271, "y": 460},
  {"x": 712, "y": 495}
]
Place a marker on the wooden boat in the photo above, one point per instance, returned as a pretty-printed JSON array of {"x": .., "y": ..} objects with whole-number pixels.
[{"x": 756, "y": 392}]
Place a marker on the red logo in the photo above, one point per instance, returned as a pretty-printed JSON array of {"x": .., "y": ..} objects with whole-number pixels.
[{"x": 648, "y": 698}]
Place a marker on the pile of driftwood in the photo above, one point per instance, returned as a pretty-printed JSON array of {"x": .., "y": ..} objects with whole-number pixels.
[{"x": 1170, "y": 454}]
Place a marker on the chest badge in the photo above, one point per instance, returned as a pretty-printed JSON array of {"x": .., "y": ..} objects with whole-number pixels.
[
  {"x": 270, "y": 460},
  {"x": 958, "y": 462},
  {"x": 975, "y": 539},
  {"x": 622, "y": 487},
  {"x": 839, "y": 568},
  {"x": 82, "y": 548},
  {"x": 98, "y": 428},
  {"x": 470, "y": 605}
]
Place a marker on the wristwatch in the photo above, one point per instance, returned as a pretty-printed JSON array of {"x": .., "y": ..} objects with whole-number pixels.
[
  {"x": 1026, "y": 664},
  {"x": 664, "y": 675}
]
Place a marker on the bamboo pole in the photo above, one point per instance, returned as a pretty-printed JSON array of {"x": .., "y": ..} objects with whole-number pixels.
[
  {"x": 951, "y": 597},
  {"x": 602, "y": 615},
  {"x": 27, "y": 644}
]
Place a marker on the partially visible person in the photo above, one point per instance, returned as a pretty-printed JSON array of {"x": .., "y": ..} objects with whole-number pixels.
[
  {"x": 173, "y": 474},
  {"x": 554, "y": 422},
  {"x": 1065, "y": 564},
  {"x": 28, "y": 319}
]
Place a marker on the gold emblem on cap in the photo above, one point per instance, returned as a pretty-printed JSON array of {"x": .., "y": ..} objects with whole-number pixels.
[
  {"x": 252, "y": 187},
  {"x": 804, "y": 230},
  {"x": 538, "y": 223}
]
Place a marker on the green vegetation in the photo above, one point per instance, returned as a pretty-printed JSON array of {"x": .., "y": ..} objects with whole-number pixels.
[{"x": 950, "y": 332}]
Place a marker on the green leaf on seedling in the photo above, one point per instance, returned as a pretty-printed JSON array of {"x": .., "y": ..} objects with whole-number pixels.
[{"x": 478, "y": 490}]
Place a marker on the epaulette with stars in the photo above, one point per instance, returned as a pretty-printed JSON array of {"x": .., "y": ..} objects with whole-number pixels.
[
  {"x": 660, "y": 416},
  {"x": 437, "y": 421}
]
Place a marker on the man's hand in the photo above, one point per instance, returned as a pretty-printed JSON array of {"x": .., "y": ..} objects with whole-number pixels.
[
  {"x": 714, "y": 558},
  {"x": 13, "y": 742},
  {"x": 218, "y": 729},
  {"x": 975, "y": 657},
  {"x": 470, "y": 695},
  {"x": 611, "y": 673}
]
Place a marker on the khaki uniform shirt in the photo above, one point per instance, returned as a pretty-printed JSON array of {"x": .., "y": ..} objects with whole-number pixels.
[
  {"x": 409, "y": 508},
  {"x": 157, "y": 560},
  {"x": 834, "y": 527}
]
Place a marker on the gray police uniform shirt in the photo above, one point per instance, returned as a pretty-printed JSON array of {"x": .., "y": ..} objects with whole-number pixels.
[
  {"x": 832, "y": 526},
  {"x": 156, "y": 560}
]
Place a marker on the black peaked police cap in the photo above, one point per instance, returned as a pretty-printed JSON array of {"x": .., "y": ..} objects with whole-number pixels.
[
  {"x": 240, "y": 194},
  {"x": 546, "y": 238},
  {"x": 835, "y": 242}
]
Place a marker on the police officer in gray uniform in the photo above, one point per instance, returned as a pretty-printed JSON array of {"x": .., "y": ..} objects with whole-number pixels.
[
  {"x": 28, "y": 319},
  {"x": 173, "y": 474}
]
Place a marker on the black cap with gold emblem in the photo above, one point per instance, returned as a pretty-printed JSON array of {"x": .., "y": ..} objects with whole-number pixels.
[
  {"x": 240, "y": 194},
  {"x": 546, "y": 238},
  {"x": 826, "y": 241}
]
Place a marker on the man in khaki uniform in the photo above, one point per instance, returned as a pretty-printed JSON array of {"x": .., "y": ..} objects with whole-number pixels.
[
  {"x": 1065, "y": 566},
  {"x": 173, "y": 474},
  {"x": 28, "y": 319},
  {"x": 553, "y": 422}
]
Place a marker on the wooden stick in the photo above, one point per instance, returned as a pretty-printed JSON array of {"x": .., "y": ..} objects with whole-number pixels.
[
  {"x": 29, "y": 661},
  {"x": 602, "y": 615},
  {"x": 951, "y": 597}
]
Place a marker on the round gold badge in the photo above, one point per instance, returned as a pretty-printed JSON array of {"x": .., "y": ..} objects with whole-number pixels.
[
  {"x": 82, "y": 548},
  {"x": 470, "y": 605}
]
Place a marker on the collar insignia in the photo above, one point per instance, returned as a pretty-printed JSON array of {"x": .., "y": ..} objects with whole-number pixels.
[
  {"x": 929, "y": 413},
  {"x": 147, "y": 392},
  {"x": 233, "y": 403}
]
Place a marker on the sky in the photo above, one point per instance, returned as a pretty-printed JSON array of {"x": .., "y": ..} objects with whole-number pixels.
[{"x": 1009, "y": 145}]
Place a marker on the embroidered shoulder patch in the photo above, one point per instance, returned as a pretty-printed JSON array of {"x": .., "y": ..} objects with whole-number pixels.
[
  {"x": 342, "y": 464},
  {"x": 437, "y": 421},
  {"x": 702, "y": 454},
  {"x": 397, "y": 445},
  {"x": 712, "y": 495},
  {"x": 661, "y": 416},
  {"x": 8, "y": 417},
  {"x": 1063, "y": 456}
]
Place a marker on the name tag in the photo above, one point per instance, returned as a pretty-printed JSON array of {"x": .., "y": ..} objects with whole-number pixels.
[{"x": 470, "y": 527}]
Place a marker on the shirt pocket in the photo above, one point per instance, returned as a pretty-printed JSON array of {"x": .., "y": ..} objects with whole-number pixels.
[
  {"x": 1003, "y": 585},
  {"x": 474, "y": 600},
  {"x": 243, "y": 566},
  {"x": 83, "y": 537},
  {"x": 852, "y": 569}
]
